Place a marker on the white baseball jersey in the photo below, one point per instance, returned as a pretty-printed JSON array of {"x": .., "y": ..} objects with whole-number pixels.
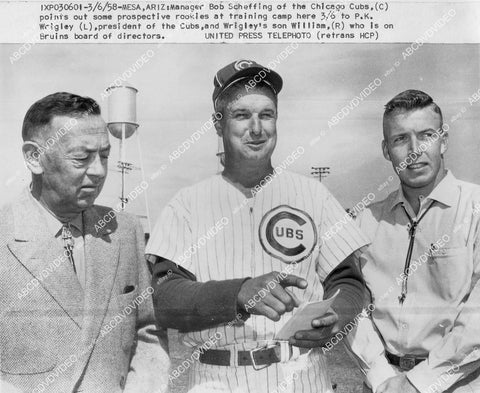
[{"x": 218, "y": 231}]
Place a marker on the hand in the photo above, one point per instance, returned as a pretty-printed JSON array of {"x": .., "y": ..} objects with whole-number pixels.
[
  {"x": 398, "y": 384},
  {"x": 267, "y": 294},
  {"x": 324, "y": 327}
]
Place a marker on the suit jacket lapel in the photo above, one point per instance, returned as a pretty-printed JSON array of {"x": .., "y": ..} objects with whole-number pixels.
[{"x": 41, "y": 255}]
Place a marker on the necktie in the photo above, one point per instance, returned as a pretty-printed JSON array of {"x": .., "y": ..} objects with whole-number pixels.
[{"x": 68, "y": 243}]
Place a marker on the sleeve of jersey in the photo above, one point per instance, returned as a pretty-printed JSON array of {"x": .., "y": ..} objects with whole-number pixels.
[
  {"x": 339, "y": 236},
  {"x": 172, "y": 236}
]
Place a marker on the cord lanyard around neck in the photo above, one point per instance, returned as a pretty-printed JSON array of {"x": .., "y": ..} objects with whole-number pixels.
[
  {"x": 411, "y": 232},
  {"x": 68, "y": 243}
]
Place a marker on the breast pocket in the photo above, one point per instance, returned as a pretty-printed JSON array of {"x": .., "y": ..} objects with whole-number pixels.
[
  {"x": 451, "y": 271},
  {"x": 27, "y": 345},
  {"x": 127, "y": 310}
]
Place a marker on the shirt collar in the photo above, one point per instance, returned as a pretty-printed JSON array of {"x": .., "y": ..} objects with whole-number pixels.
[
  {"x": 445, "y": 192},
  {"x": 53, "y": 224},
  {"x": 77, "y": 222},
  {"x": 398, "y": 199}
]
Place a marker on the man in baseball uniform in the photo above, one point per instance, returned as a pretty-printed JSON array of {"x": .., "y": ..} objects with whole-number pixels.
[
  {"x": 423, "y": 264},
  {"x": 235, "y": 255}
]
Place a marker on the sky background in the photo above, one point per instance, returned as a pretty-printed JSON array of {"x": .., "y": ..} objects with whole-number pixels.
[{"x": 174, "y": 100}]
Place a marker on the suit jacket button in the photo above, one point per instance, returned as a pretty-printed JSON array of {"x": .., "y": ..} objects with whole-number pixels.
[{"x": 122, "y": 382}]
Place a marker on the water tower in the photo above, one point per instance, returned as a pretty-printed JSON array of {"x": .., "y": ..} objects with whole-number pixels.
[{"x": 122, "y": 124}]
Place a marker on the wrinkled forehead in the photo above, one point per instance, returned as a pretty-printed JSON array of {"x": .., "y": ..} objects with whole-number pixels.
[
  {"x": 78, "y": 125},
  {"x": 88, "y": 130}
]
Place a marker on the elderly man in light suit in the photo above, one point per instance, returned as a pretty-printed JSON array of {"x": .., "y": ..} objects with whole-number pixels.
[{"x": 75, "y": 301}]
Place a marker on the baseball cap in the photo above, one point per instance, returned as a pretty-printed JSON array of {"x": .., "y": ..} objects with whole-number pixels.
[{"x": 244, "y": 69}]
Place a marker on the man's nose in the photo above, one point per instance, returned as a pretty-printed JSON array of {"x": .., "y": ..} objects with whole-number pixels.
[
  {"x": 255, "y": 125},
  {"x": 415, "y": 146},
  {"x": 97, "y": 167}
]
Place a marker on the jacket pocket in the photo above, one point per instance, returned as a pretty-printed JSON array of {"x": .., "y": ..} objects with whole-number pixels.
[{"x": 127, "y": 310}]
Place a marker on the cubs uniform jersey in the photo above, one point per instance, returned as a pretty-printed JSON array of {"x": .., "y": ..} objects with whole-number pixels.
[{"x": 218, "y": 231}]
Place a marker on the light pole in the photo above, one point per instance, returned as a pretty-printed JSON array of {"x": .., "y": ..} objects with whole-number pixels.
[{"x": 320, "y": 171}]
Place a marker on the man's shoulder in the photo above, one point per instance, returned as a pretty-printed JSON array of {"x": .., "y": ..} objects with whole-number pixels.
[
  {"x": 6, "y": 221},
  {"x": 287, "y": 174},
  {"x": 112, "y": 220},
  {"x": 120, "y": 215},
  {"x": 205, "y": 183},
  {"x": 19, "y": 201},
  {"x": 384, "y": 203},
  {"x": 198, "y": 190},
  {"x": 292, "y": 179},
  {"x": 470, "y": 188},
  {"x": 19, "y": 206},
  {"x": 377, "y": 209},
  {"x": 6, "y": 210},
  {"x": 470, "y": 195}
]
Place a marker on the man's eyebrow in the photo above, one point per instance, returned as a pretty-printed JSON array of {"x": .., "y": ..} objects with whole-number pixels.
[
  {"x": 85, "y": 149},
  {"x": 94, "y": 130},
  {"x": 106, "y": 148},
  {"x": 77, "y": 149},
  {"x": 399, "y": 134}
]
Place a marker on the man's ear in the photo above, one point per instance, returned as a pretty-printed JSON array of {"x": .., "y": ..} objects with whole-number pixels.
[
  {"x": 31, "y": 156},
  {"x": 219, "y": 128},
  {"x": 444, "y": 142},
  {"x": 386, "y": 153}
]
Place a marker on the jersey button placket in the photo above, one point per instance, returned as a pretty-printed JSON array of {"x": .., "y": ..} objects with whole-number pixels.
[{"x": 253, "y": 232}]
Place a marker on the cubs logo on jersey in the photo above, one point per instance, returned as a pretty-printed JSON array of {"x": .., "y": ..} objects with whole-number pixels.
[{"x": 287, "y": 234}]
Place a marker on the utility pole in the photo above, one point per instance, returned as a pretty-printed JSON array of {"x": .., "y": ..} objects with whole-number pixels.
[{"x": 320, "y": 171}]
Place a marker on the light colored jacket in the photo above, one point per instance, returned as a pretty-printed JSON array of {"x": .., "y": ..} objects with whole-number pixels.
[{"x": 56, "y": 336}]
